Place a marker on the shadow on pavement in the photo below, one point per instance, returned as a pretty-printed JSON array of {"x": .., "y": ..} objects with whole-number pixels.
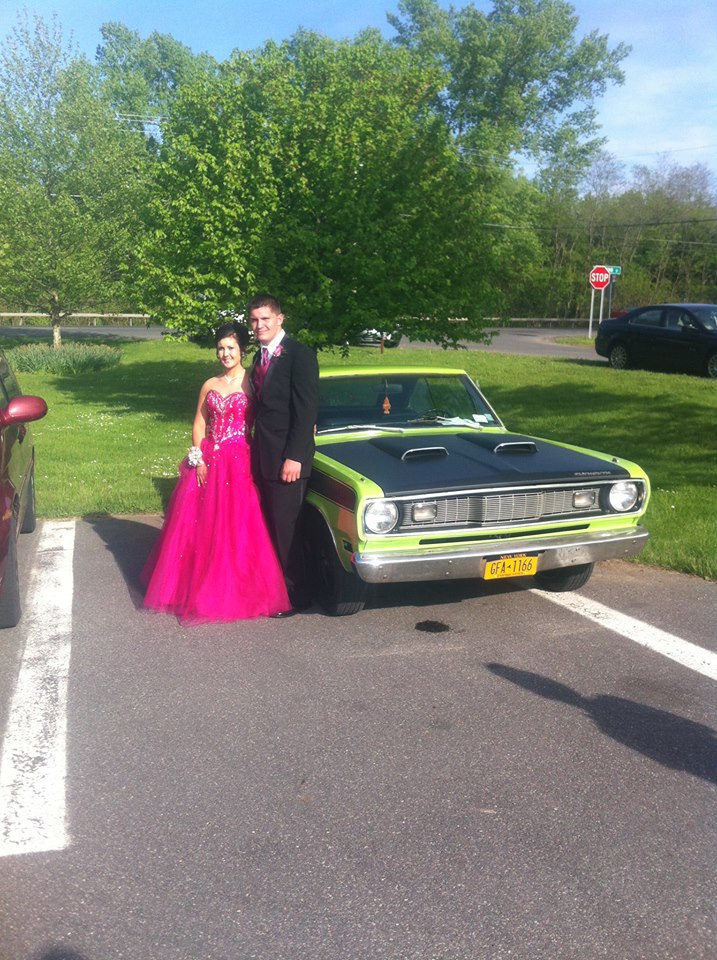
[
  {"x": 60, "y": 953},
  {"x": 670, "y": 740},
  {"x": 129, "y": 541}
]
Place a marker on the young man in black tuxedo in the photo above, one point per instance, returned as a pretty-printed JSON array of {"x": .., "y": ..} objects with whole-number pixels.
[{"x": 285, "y": 377}]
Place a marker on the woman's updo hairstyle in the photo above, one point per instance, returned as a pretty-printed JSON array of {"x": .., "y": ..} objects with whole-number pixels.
[{"x": 233, "y": 329}]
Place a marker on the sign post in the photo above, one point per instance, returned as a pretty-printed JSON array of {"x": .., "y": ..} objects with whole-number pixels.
[
  {"x": 614, "y": 274},
  {"x": 599, "y": 278}
]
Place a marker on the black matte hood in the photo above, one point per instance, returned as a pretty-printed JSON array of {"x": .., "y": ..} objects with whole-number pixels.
[{"x": 424, "y": 464}]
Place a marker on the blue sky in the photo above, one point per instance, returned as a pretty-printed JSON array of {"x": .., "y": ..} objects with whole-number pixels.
[{"x": 666, "y": 108}]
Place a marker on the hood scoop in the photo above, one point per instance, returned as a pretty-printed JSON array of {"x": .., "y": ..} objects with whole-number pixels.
[
  {"x": 516, "y": 446},
  {"x": 403, "y": 448},
  {"x": 422, "y": 453},
  {"x": 505, "y": 445}
]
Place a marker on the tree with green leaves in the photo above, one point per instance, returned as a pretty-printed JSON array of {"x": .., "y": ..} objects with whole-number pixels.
[
  {"x": 319, "y": 169},
  {"x": 72, "y": 180},
  {"x": 141, "y": 77},
  {"x": 516, "y": 80}
]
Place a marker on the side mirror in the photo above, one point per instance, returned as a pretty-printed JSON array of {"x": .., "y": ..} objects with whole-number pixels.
[{"x": 22, "y": 410}]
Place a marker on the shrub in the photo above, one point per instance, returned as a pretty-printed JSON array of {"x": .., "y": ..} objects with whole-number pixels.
[{"x": 69, "y": 359}]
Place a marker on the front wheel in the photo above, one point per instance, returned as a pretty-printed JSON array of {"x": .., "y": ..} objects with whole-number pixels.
[
  {"x": 618, "y": 357},
  {"x": 339, "y": 592},
  {"x": 711, "y": 367},
  {"x": 564, "y": 578}
]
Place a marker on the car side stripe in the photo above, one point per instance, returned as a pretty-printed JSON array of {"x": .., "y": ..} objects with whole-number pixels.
[{"x": 331, "y": 489}]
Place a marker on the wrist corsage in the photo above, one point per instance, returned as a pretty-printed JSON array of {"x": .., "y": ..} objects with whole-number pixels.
[{"x": 194, "y": 457}]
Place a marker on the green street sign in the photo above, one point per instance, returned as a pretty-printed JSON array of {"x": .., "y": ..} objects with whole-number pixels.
[{"x": 615, "y": 271}]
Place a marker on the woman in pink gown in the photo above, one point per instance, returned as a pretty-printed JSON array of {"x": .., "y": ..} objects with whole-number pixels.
[{"x": 214, "y": 559}]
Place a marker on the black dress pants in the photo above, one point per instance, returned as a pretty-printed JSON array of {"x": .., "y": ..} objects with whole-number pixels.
[{"x": 282, "y": 506}]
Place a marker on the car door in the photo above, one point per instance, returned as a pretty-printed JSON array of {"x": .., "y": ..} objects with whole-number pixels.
[
  {"x": 673, "y": 345},
  {"x": 643, "y": 336},
  {"x": 695, "y": 342}
]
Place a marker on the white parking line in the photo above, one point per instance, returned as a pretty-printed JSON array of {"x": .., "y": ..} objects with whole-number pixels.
[
  {"x": 32, "y": 771},
  {"x": 681, "y": 651}
]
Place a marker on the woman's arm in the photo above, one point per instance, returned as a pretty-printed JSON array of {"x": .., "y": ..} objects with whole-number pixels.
[
  {"x": 199, "y": 427},
  {"x": 199, "y": 431}
]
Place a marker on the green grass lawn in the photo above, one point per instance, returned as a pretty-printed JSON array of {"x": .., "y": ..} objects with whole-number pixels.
[
  {"x": 577, "y": 341},
  {"x": 112, "y": 439}
]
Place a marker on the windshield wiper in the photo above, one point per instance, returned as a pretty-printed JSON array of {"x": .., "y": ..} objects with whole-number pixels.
[
  {"x": 448, "y": 421},
  {"x": 361, "y": 426}
]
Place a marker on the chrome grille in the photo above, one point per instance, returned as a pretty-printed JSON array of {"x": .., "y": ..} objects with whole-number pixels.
[
  {"x": 486, "y": 509},
  {"x": 505, "y": 507}
]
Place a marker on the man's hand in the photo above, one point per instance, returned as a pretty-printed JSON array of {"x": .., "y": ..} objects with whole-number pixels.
[{"x": 290, "y": 471}]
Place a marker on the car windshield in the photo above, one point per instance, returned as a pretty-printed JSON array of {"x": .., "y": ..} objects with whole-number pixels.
[
  {"x": 400, "y": 400},
  {"x": 708, "y": 315}
]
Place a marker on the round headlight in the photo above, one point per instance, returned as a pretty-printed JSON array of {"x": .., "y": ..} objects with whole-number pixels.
[
  {"x": 381, "y": 516},
  {"x": 624, "y": 495}
]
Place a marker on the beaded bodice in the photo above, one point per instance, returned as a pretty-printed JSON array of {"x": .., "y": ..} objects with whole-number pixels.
[{"x": 229, "y": 417}]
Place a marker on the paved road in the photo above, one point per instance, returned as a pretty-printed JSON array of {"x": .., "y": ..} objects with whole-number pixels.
[
  {"x": 538, "y": 342},
  {"x": 461, "y": 772},
  {"x": 72, "y": 333},
  {"x": 532, "y": 341}
]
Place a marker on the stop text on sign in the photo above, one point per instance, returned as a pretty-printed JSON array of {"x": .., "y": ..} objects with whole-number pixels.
[{"x": 599, "y": 277}]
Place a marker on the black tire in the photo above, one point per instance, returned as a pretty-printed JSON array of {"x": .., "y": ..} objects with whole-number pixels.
[
  {"x": 618, "y": 356},
  {"x": 29, "y": 521},
  {"x": 10, "y": 608},
  {"x": 337, "y": 591},
  {"x": 711, "y": 366},
  {"x": 564, "y": 578}
]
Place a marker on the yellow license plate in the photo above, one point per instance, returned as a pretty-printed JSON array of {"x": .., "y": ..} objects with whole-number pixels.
[{"x": 511, "y": 566}]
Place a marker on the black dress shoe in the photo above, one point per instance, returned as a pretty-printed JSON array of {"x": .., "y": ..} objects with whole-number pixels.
[
  {"x": 283, "y": 614},
  {"x": 300, "y": 604}
]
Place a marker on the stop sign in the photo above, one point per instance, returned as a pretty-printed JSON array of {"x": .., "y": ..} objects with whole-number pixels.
[{"x": 599, "y": 277}]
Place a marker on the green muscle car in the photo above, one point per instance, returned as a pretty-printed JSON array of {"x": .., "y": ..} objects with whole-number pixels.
[{"x": 416, "y": 478}]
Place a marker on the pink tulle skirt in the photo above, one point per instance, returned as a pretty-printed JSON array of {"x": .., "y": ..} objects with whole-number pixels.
[{"x": 214, "y": 559}]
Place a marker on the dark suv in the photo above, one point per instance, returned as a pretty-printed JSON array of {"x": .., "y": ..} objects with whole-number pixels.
[{"x": 17, "y": 484}]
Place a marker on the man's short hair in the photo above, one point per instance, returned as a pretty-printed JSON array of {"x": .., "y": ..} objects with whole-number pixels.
[{"x": 264, "y": 300}]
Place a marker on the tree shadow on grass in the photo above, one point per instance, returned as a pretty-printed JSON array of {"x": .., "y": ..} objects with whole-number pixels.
[
  {"x": 165, "y": 488},
  {"x": 165, "y": 390},
  {"x": 670, "y": 740},
  {"x": 648, "y": 431}
]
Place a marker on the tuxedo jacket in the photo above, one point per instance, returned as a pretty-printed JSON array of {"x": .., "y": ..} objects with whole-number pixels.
[{"x": 285, "y": 410}]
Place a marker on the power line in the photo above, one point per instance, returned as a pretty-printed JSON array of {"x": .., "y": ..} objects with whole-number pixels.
[
  {"x": 596, "y": 226},
  {"x": 655, "y": 223},
  {"x": 658, "y": 153},
  {"x": 612, "y": 228},
  {"x": 155, "y": 121}
]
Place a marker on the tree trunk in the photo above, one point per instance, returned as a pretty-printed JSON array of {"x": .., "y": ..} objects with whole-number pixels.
[{"x": 55, "y": 320}]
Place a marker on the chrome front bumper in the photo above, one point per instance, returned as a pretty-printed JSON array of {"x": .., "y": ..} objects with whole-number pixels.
[{"x": 471, "y": 562}]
